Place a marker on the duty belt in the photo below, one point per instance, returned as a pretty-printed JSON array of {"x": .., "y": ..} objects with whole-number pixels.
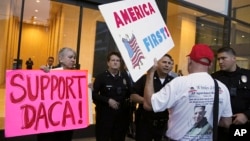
[{"x": 158, "y": 122}]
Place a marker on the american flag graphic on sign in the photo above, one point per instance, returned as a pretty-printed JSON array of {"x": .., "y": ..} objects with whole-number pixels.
[{"x": 134, "y": 50}]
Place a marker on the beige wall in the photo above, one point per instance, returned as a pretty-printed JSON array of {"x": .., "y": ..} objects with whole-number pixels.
[
  {"x": 39, "y": 42},
  {"x": 174, "y": 26},
  {"x": 54, "y": 32},
  {"x": 3, "y": 46},
  {"x": 64, "y": 32},
  {"x": 34, "y": 44},
  {"x": 69, "y": 26},
  {"x": 182, "y": 29},
  {"x": 90, "y": 17},
  {"x": 8, "y": 45},
  {"x": 4, "y": 22}
]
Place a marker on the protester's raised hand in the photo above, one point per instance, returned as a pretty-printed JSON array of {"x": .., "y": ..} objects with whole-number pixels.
[{"x": 154, "y": 67}]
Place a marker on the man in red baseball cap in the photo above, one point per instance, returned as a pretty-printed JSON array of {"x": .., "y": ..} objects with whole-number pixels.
[
  {"x": 200, "y": 58},
  {"x": 202, "y": 54},
  {"x": 184, "y": 93}
]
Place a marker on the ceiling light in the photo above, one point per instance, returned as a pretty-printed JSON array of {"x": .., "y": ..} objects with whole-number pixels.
[
  {"x": 243, "y": 36},
  {"x": 36, "y": 10},
  {"x": 37, "y": 1}
]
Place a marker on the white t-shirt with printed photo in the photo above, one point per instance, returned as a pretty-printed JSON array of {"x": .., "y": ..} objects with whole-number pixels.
[{"x": 181, "y": 96}]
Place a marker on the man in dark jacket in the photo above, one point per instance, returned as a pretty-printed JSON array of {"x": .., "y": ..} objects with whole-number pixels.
[{"x": 237, "y": 81}]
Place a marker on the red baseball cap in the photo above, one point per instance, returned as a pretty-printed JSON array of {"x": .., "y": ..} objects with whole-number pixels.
[{"x": 200, "y": 51}]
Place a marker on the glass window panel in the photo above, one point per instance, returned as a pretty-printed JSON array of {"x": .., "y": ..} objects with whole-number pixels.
[
  {"x": 10, "y": 11},
  {"x": 209, "y": 32},
  {"x": 240, "y": 41},
  {"x": 241, "y": 10},
  {"x": 104, "y": 43},
  {"x": 47, "y": 27},
  {"x": 189, "y": 27}
]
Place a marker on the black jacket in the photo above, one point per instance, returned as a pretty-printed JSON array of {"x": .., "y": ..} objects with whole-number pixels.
[
  {"x": 107, "y": 86},
  {"x": 139, "y": 89},
  {"x": 238, "y": 84}
]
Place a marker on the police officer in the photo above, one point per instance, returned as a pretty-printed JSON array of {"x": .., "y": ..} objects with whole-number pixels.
[
  {"x": 237, "y": 81},
  {"x": 149, "y": 125},
  {"x": 111, "y": 91}
]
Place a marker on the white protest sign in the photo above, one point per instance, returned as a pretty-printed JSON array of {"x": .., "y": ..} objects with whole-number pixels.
[
  {"x": 139, "y": 32},
  {"x": 220, "y": 6}
]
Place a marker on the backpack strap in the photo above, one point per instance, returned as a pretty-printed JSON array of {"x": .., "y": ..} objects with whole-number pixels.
[{"x": 215, "y": 111}]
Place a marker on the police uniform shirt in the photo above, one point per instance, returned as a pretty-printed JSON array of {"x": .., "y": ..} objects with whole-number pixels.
[
  {"x": 238, "y": 84},
  {"x": 107, "y": 86},
  {"x": 139, "y": 89}
]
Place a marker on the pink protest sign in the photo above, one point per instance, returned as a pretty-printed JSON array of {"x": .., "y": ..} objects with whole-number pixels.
[{"x": 38, "y": 102}]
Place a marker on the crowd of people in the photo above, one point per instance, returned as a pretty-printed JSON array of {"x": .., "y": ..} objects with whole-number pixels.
[
  {"x": 164, "y": 100},
  {"x": 162, "y": 105}
]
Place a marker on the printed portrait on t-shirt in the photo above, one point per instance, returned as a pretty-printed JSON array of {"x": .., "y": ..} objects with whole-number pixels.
[{"x": 201, "y": 129}]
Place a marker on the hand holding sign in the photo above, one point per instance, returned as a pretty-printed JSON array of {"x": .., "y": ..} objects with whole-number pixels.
[{"x": 139, "y": 32}]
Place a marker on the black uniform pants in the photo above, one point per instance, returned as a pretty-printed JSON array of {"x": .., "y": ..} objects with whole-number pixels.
[
  {"x": 56, "y": 136},
  {"x": 148, "y": 129},
  {"x": 111, "y": 125},
  {"x": 131, "y": 130}
]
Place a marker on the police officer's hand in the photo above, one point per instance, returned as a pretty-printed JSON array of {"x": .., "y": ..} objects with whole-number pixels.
[
  {"x": 113, "y": 104},
  {"x": 239, "y": 118}
]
